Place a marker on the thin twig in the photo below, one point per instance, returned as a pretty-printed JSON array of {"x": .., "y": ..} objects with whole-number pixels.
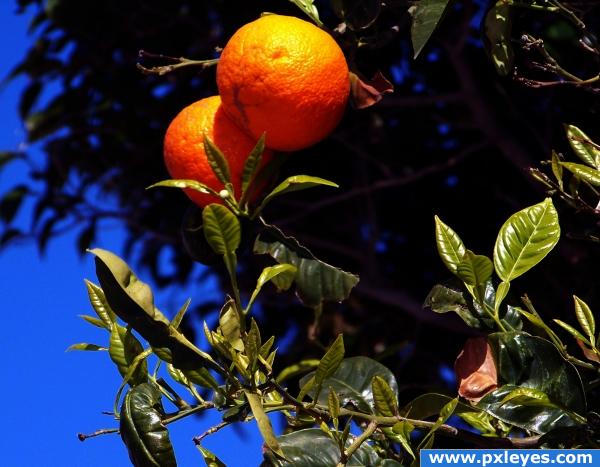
[
  {"x": 213, "y": 429},
  {"x": 103, "y": 431},
  {"x": 347, "y": 454}
]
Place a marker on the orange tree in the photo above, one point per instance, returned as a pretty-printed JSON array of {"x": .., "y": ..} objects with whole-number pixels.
[{"x": 521, "y": 383}]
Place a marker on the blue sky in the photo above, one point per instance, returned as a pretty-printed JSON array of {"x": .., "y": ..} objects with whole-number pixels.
[{"x": 50, "y": 395}]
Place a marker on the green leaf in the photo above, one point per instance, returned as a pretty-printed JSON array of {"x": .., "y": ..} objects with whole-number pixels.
[
  {"x": 210, "y": 459},
  {"x": 252, "y": 164},
  {"x": 268, "y": 274},
  {"x": 571, "y": 330},
  {"x": 99, "y": 303},
  {"x": 401, "y": 432},
  {"x": 501, "y": 293},
  {"x": 230, "y": 326},
  {"x": 583, "y": 146},
  {"x": 383, "y": 397},
  {"x": 333, "y": 402},
  {"x": 352, "y": 382},
  {"x": 585, "y": 317},
  {"x": 308, "y": 7},
  {"x": 264, "y": 424},
  {"x": 430, "y": 404},
  {"x": 484, "y": 422},
  {"x": 252, "y": 344},
  {"x": 330, "y": 361},
  {"x": 295, "y": 183},
  {"x": 525, "y": 361},
  {"x": 186, "y": 184},
  {"x": 315, "y": 280},
  {"x": 557, "y": 169},
  {"x": 474, "y": 269},
  {"x": 585, "y": 173},
  {"x": 313, "y": 448},
  {"x": 426, "y": 15},
  {"x": 266, "y": 347},
  {"x": 445, "y": 298},
  {"x": 86, "y": 347},
  {"x": 201, "y": 377},
  {"x": 123, "y": 349},
  {"x": 450, "y": 247},
  {"x": 133, "y": 301},
  {"x": 95, "y": 322},
  {"x": 142, "y": 430},
  {"x": 217, "y": 161},
  {"x": 525, "y": 239},
  {"x": 176, "y": 321},
  {"x": 357, "y": 14},
  {"x": 445, "y": 413},
  {"x": 498, "y": 32},
  {"x": 529, "y": 397},
  {"x": 296, "y": 369},
  {"x": 221, "y": 229}
]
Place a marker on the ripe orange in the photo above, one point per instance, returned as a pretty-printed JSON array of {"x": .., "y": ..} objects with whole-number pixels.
[
  {"x": 184, "y": 153},
  {"x": 285, "y": 76}
]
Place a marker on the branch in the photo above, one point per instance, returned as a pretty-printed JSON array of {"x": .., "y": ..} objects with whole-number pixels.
[{"x": 347, "y": 454}]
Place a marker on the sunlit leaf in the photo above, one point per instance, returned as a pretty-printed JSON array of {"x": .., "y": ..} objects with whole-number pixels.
[
  {"x": 383, "y": 397},
  {"x": 474, "y": 269},
  {"x": 525, "y": 239},
  {"x": 450, "y": 247},
  {"x": 217, "y": 161},
  {"x": 585, "y": 317},
  {"x": 264, "y": 424},
  {"x": 585, "y": 173},
  {"x": 86, "y": 347},
  {"x": 210, "y": 459},
  {"x": 268, "y": 274},
  {"x": 295, "y": 183},
  {"x": 583, "y": 146},
  {"x": 123, "y": 349},
  {"x": 252, "y": 164}
]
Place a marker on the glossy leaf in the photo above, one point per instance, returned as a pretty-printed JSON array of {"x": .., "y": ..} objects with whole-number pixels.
[
  {"x": 99, "y": 303},
  {"x": 186, "y": 184},
  {"x": 450, "y": 247},
  {"x": 315, "y": 280},
  {"x": 383, "y": 397},
  {"x": 132, "y": 300},
  {"x": 585, "y": 317},
  {"x": 252, "y": 164},
  {"x": 498, "y": 32},
  {"x": 571, "y": 330},
  {"x": 357, "y": 14},
  {"x": 268, "y": 274},
  {"x": 295, "y": 183},
  {"x": 352, "y": 383},
  {"x": 314, "y": 448},
  {"x": 221, "y": 229},
  {"x": 525, "y": 239},
  {"x": 86, "y": 347},
  {"x": 142, "y": 430},
  {"x": 123, "y": 349},
  {"x": 532, "y": 362},
  {"x": 426, "y": 15},
  {"x": 583, "y": 172},
  {"x": 264, "y": 424},
  {"x": 583, "y": 146},
  {"x": 474, "y": 269},
  {"x": 217, "y": 161}
]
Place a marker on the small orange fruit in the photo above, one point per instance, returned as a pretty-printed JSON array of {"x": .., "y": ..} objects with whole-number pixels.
[
  {"x": 184, "y": 153},
  {"x": 286, "y": 77}
]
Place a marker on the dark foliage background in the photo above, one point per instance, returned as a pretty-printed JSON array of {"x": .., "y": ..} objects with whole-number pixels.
[{"x": 454, "y": 139}]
